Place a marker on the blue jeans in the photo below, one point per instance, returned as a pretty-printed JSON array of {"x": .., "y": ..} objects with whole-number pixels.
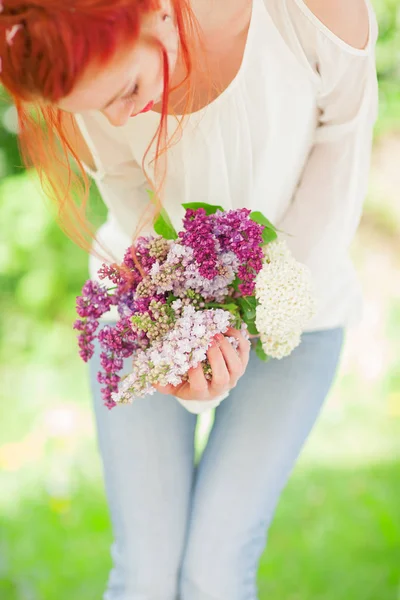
[{"x": 197, "y": 532}]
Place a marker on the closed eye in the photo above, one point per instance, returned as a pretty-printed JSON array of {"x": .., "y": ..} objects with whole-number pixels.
[{"x": 131, "y": 94}]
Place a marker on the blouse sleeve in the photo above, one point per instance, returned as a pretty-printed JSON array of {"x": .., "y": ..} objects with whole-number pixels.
[
  {"x": 122, "y": 186},
  {"x": 321, "y": 221}
]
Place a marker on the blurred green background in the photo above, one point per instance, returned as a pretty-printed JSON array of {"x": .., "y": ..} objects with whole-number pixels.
[{"x": 336, "y": 535}]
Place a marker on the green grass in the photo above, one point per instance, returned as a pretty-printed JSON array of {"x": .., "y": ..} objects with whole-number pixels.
[{"x": 336, "y": 536}]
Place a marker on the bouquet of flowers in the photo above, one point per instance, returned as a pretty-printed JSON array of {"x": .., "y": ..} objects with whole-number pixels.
[{"x": 224, "y": 269}]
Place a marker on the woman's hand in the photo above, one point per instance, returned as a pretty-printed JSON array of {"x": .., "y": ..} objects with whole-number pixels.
[{"x": 227, "y": 365}]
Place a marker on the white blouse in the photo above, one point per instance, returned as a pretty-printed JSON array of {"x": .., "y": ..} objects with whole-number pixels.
[{"x": 291, "y": 136}]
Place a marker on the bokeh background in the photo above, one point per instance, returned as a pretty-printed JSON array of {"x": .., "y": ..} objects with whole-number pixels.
[{"x": 336, "y": 535}]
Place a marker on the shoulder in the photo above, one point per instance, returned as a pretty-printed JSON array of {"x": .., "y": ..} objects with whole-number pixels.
[
  {"x": 349, "y": 20},
  {"x": 350, "y": 27},
  {"x": 335, "y": 41}
]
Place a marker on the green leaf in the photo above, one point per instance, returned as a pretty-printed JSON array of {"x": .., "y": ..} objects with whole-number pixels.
[
  {"x": 260, "y": 351},
  {"x": 259, "y": 218},
  {"x": 269, "y": 233},
  {"x": 248, "y": 306},
  {"x": 251, "y": 327},
  {"x": 171, "y": 298},
  {"x": 163, "y": 226},
  {"x": 233, "y": 308},
  {"x": 235, "y": 283},
  {"x": 209, "y": 208}
]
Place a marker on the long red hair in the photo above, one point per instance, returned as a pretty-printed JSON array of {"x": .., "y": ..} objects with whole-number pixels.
[{"x": 56, "y": 40}]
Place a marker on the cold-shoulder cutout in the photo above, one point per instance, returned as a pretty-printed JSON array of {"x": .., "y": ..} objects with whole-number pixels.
[{"x": 348, "y": 23}]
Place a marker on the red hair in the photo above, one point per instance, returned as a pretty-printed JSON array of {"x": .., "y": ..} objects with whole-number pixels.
[{"x": 58, "y": 40}]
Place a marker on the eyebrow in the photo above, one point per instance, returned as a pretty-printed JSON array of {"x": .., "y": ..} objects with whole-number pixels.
[{"x": 116, "y": 96}]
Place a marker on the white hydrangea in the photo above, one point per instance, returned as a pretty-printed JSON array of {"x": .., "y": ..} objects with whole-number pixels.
[{"x": 286, "y": 301}]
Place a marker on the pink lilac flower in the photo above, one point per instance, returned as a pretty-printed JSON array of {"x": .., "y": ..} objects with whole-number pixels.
[
  {"x": 180, "y": 272},
  {"x": 167, "y": 361},
  {"x": 112, "y": 273},
  {"x": 94, "y": 300},
  {"x": 88, "y": 328},
  {"x": 90, "y": 306},
  {"x": 118, "y": 342},
  {"x": 198, "y": 235},
  {"x": 199, "y": 267},
  {"x": 143, "y": 245},
  {"x": 215, "y": 289},
  {"x": 237, "y": 233},
  {"x": 132, "y": 277}
]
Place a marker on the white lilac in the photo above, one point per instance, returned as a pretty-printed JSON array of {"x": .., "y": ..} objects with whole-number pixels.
[{"x": 286, "y": 301}]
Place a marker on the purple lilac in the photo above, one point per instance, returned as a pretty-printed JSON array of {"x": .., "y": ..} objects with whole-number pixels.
[
  {"x": 143, "y": 252},
  {"x": 90, "y": 306},
  {"x": 112, "y": 273},
  {"x": 94, "y": 300},
  {"x": 198, "y": 235},
  {"x": 237, "y": 233},
  {"x": 118, "y": 342},
  {"x": 88, "y": 327},
  {"x": 217, "y": 288},
  {"x": 208, "y": 255},
  {"x": 109, "y": 377}
]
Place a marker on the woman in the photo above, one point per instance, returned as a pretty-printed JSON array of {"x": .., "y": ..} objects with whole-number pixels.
[{"x": 279, "y": 119}]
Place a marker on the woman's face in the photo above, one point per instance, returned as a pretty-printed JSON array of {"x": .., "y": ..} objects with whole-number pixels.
[{"x": 134, "y": 78}]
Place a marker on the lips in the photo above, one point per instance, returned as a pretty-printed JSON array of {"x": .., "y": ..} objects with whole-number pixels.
[{"x": 148, "y": 107}]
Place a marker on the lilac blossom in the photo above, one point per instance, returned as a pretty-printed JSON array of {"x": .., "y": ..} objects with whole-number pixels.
[
  {"x": 88, "y": 328},
  {"x": 94, "y": 300},
  {"x": 198, "y": 235},
  {"x": 118, "y": 342},
  {"x": 90, "y": 306},
  {"x": 165, "y": 322},
  {"x": 180, "y": 272},
  {"x": 167, "y": 361},
  {"x": 215, "y": 289},
  {"x": 237, "y": 233}
]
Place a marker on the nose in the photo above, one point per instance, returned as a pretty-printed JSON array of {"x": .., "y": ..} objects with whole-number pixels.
[{"x": 117, "y": 118}]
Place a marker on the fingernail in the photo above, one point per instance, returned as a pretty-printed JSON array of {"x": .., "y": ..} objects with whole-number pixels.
[{"x": 219, "y": 336}]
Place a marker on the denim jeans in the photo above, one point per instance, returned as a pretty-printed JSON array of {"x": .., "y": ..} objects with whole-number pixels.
[{"x": 197, "y": 532}]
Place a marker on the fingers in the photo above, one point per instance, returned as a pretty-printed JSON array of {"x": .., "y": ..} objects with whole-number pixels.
[
  {"x": 165, "y": 389},
  {"x": 184, "y": 390},
  {"x": 232, "y": 359},
  {"x": 221, "y": 378},
  {"x": 244, "y": 345},
  {"x": 198, "y": 383},
  {"x": 227, "y": 365}
]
